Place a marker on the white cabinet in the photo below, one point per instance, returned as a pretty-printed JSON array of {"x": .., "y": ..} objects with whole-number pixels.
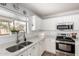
[
  {"x": 77, "y": 48},
  {"x": 41, "y": 47},
  {"x": 36, "y": 23},
  {"x": 33, "y": 51},
  {"x": 37, "y": 49},
  {"x": 5, "y": 5},
  {"x": 11, "y": 7},
  {"x": 50, "y": 45},
  {"x": 24, "y": 53}
]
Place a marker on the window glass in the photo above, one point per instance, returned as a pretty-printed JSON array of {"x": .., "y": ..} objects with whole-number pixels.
[
  {"x": 19, "y": 25},
  {"x": 4, "y": 27}
]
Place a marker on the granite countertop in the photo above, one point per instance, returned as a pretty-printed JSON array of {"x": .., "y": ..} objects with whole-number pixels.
[{"x": 4, "y": 52}]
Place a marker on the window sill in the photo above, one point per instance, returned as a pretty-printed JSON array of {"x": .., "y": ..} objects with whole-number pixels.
[{"x": 3, "y": 34}]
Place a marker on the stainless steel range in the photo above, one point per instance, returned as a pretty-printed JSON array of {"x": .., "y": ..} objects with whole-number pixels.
[{"x": 65, "y": 44}]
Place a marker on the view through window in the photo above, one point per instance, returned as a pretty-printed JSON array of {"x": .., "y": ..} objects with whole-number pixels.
[{"x": 6, "y": 26}]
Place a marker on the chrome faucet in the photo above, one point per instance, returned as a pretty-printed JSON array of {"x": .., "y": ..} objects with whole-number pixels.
[
  {"x": 17, "y": 41},
  {"x": 24, "y": 37}
]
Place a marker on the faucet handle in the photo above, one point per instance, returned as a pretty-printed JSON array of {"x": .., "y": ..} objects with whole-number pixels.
[{"x": 24, "y": 39}]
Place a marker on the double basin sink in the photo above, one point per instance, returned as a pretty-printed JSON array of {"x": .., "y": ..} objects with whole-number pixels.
[{"x": 18, "y": 47}]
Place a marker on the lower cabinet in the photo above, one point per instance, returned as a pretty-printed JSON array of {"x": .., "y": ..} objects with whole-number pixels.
[
  {"x": 50, "y": 45},
  {"x": 76, "y": 49},
  {"x": 35, "y": 50},
  {"x": 32, "y": 51},
  {"x": 24, "y": 53},
  {"x": 41, "y": 47}
]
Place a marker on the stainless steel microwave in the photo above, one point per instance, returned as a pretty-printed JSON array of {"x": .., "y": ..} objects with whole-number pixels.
[{"x": 65, "y": 27}]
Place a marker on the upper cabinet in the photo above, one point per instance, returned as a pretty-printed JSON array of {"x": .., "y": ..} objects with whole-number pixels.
[
  {"x": 15, "y": 7},
  {"x": 10, "y": 6},
  {"x": 15, "y": 10},
  {"x": 4, "y": 5},
  {"x": 36, "y": 23}
]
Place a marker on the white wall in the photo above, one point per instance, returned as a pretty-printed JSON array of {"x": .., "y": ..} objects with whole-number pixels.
[{"x": 50, "y": 23}]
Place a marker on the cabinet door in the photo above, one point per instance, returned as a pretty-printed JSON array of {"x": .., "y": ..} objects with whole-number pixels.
[
  {"x": 53, "y": 45},
  {"x": 77, "y": 49},
  {"x": 36, "y": 23},
  {"x": 24, "y": 53},
  {"x": 50, "y": 45},
  {"x": 33, "y": 51},
  {"x": 5, "y": 5},
  {"x": 41, "y": 47}
]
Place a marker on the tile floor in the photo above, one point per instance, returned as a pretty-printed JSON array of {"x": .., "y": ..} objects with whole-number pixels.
[{"x": 46, "y": 53}]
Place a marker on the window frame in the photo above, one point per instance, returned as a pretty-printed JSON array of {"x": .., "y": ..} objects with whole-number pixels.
[
  {"x": 9, "y": 27},
  {"x": 7, "y": 23}
]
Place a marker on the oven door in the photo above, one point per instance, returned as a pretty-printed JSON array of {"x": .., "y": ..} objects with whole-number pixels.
[{"x": 65, "y": 47}]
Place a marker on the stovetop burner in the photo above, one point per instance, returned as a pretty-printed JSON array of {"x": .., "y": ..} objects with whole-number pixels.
[{"x": 62, "y": 38}]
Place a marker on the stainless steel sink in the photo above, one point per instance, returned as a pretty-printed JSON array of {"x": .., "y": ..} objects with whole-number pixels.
[
  {"x": 18, "y": 47},
  {"x": 25, "y": 43}
]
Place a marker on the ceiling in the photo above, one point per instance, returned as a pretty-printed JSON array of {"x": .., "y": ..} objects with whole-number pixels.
[{"x": 47, "y": 9}]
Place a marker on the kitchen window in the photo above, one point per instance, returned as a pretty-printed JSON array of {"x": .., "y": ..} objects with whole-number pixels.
[
  {"x": 18, "y": 25},
  {"x": 4, "y": 28},
  {"x": 7, "y": 26}
]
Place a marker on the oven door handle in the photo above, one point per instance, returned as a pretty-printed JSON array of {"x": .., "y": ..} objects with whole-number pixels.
[
  {"x": 60, "y": 42},
  {"x": 64, "y": 43}
]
